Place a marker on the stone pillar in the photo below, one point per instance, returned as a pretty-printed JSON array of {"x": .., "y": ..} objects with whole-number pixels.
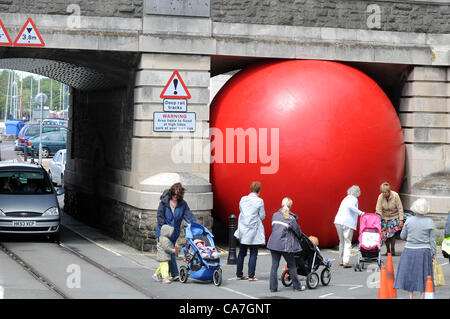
[
  {"x": 160, "y": 159},
  {"x": 424, "y": 114}
]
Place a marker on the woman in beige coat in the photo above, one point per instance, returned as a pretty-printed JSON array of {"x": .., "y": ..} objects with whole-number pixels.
[{"x": 390, "y": 208}]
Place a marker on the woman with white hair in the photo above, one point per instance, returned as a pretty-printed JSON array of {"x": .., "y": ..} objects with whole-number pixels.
[
  {"x": 284, "y": 241},
  {"x": 345, "y": 222},
  {"x": 416, "y": 261}
]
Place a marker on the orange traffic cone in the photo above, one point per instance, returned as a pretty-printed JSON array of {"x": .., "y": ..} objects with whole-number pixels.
[
  {"x": 383, "y": 291},
  {"x": 390, "y": 276},
  {"x": 429, "y": 291}
]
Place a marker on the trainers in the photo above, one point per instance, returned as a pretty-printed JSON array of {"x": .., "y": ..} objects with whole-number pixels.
[
  {"x": 175, "y": 278},
  {"x": 166, "y": 281},
  {"x": 155, "y": 277},
  {"x": 301, "y": 288}
]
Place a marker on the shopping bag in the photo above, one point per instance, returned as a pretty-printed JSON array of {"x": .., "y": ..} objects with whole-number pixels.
[{"x": 438, "y": 275}]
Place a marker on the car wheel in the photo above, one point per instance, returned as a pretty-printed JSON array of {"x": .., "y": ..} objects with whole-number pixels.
[{"x": 45, "y": 152}]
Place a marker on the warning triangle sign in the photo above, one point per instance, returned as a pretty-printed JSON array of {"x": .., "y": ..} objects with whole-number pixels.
[
  {"x": 175, "y": 88},
  {"x": 29, "y": 36},
  {"x": 4, "y": 36}
]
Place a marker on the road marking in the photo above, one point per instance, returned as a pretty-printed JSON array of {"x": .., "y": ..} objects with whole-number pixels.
[
  {"x": 324, "y": 296},
  {"x": 351, "y": 286},
  {"x": 356, "y": 287},
  {"x": 238, "y": 292}
]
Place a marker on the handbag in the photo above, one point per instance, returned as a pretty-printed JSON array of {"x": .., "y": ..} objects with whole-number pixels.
[{"x": 438, "y": 275}]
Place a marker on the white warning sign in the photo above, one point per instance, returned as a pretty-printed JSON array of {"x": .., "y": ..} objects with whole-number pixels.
[{"x": 173, "y": 122}]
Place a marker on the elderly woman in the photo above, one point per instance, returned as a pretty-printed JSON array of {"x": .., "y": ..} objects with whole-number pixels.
[
  {"x": 416, "y": 262},
  {"x": 345, "y": 222},
  {"x": 284, "y": 241},
  {"x": 250, "y": 231},
  {"x": 389, "y": 207}
]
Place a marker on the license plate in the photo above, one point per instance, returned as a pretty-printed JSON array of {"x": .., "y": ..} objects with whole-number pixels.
[{"x": 23, "y": 223}]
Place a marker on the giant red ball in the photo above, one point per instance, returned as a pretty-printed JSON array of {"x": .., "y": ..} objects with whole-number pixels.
[{"x": 336, "y": 128}]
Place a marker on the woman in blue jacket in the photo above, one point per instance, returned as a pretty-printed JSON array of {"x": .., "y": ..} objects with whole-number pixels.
[
  {"x": 284, "y": 241},
  {"x": 171, "y": 211}
]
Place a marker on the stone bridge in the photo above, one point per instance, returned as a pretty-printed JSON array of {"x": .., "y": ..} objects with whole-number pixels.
[{"x": 117, "y": 55}]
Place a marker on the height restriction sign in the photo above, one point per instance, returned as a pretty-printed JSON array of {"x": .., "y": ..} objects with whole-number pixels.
[{"x": 29, "y": 36}]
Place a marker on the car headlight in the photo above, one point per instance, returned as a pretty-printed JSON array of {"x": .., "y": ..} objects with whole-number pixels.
[
  {"x": 53, "y": 211},
  {"x": 2, "y": 213}
]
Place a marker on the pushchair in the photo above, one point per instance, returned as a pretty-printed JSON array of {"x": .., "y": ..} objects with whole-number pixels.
[
  {"x": 369, "y": 240},
  {"x": 200, "y": 255},
  {"x": 308, "y": 262}
]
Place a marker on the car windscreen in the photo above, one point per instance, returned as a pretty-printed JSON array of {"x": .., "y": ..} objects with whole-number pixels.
[{"x": 24, "y": 182}]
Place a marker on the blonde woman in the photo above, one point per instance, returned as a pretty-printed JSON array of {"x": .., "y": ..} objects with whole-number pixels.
[
  {"x": 284, "y": 241},
  {"x": 390, "y": 208}
]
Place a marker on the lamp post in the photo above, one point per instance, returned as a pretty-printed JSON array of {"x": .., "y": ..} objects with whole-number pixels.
[{"x": 41, "y": 99}]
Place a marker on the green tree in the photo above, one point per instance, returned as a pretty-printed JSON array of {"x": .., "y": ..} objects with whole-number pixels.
[{"x": 27, "y": 89}]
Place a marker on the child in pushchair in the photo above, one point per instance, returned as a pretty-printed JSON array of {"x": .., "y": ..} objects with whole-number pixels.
[
  {"x": 201, "y": 257},
  {"x": 308, "y": 262}
]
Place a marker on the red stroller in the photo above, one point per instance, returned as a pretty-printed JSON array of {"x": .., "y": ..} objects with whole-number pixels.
[{"x": 369, "y": 240}]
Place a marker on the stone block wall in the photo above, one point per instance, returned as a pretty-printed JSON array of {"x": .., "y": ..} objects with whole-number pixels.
[
  {"x": 425, "y": 118},
  {"x": 102, "y": 8},
  {"x": 400, "y": 15}
]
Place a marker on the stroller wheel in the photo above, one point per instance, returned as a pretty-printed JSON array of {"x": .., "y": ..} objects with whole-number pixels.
[
  {"x": 184, "y": 274},
  {"x": 312, "y": 280},
  {"x": 325, "y": 276},
  {"x": 286, "y": 278},
  {"x": 217, "y": 277}
]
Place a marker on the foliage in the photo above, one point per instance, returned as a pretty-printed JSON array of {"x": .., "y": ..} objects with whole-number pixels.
[{"x": 52, "y": 88}]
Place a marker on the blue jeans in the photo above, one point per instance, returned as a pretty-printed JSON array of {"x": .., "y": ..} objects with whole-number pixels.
[
  {"x": 251, "y": 262},
  {"x": 173, "y": 268},
  {"x": 290, "y": 260}
]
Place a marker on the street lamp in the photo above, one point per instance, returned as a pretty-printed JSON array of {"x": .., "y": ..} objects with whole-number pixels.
[{"x": 41, "y": 99}]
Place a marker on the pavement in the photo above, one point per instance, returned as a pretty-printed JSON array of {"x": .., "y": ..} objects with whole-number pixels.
[{"x": 345, "y": 283}]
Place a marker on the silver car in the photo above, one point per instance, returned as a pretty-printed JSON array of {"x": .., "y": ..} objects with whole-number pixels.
[
  {"x": 28, "y": 203},
  {"x": 56, "y": 167}
]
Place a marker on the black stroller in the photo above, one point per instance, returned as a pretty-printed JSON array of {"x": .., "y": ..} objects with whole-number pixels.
[{"x": 308, "y": 262}]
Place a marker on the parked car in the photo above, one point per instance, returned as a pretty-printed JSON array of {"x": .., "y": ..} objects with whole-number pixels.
[
  {"x": 28, "y": 203},
  {"x": 55, "y": 121},
  {"x": 30, "y": 130},
  {"x": 52, "y": 142},
  {"x": 56, "y": 168}
]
